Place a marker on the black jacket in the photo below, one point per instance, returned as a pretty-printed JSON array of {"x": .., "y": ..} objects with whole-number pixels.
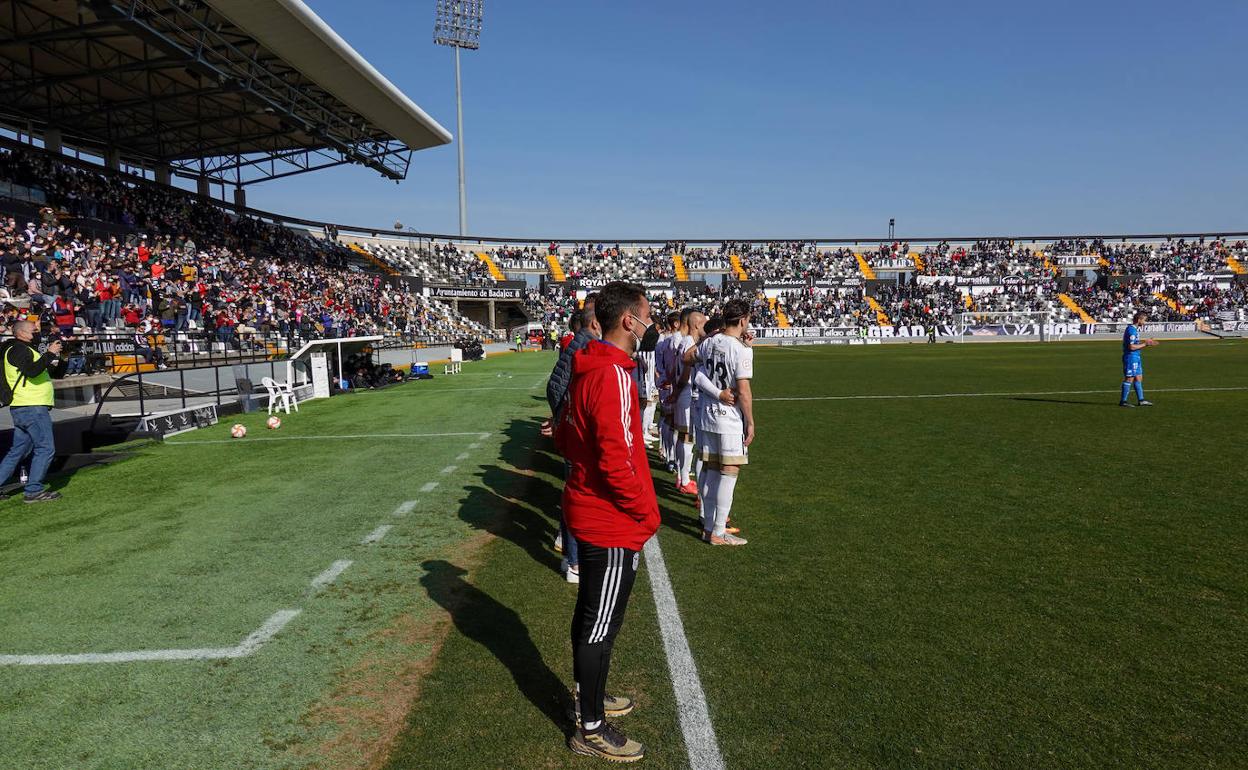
[
  {"x": 27, "y": 360},
  {"x": 561, "y": 376}
]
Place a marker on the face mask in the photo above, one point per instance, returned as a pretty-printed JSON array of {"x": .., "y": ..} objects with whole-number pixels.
[{"x": 643, "y": 333}]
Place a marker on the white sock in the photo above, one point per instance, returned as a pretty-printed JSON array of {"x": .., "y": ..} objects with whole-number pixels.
[
  {"x": 723, "y": 501},
  {"x": 647, "y": 417},
  {"x": 697, "y": 464},
  {"x": 708, "y": 487},
  {"x": 686, "y": 461}
]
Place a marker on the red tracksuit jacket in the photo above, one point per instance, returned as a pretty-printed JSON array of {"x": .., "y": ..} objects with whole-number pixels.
[{"x": 608, "y": 498}]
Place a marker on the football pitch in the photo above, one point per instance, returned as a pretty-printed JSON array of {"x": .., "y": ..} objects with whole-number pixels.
[{"x": 960, "y": 556}]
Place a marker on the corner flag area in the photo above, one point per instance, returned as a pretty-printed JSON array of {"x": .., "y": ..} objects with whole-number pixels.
[{"x": 960, "y": 555}]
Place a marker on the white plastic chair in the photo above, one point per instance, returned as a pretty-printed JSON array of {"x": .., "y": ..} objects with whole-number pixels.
[{"x": 281, "y": 395}]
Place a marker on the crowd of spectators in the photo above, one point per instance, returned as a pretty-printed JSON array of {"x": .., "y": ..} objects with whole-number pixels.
[
  {"x": 991, "y": 258},
  {"x": 612, "y": 263},
  {"x": 161, "y": 259},
  {"x": 180, "y": 264},
  {"x": 795, "y": 261},
  {"x": 513, "y": 258},
  {"x": 825, "y": 307}
]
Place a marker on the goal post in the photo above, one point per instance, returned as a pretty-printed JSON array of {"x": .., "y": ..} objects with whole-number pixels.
[{"x": 1028, "y": 325}]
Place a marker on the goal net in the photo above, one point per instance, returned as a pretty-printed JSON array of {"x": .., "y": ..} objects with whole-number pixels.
[{"x": 1035, "y": 325}]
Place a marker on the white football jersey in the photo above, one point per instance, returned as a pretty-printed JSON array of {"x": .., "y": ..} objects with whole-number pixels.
[
  {"x": 725, "y": 360},
  {"x": 680, "y": 345},
  {"x": 643, "y": 374},
  {"x": 661, "y": 357}
]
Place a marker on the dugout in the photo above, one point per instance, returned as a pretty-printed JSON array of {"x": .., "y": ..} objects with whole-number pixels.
[{"x": 299, "y": 368}]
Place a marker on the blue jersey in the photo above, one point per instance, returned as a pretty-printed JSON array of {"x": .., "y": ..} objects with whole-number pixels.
[
  {"x": 1130, "y": 337},
  {"x": 1132, "y": 362}
]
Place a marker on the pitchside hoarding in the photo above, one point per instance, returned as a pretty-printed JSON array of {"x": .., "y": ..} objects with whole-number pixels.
[
  {"x": 476, "y": 292},
  {"x": 1052, "y": 330}
]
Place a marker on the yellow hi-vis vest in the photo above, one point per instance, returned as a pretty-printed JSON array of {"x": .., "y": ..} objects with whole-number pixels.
[{"x": 28, "y": 392}]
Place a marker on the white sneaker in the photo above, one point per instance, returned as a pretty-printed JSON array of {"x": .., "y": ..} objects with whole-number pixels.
[
  {"x": 727, "y": 539},
  {"x": 559, "y": 542},
  {"x": 573, "y": 575}
]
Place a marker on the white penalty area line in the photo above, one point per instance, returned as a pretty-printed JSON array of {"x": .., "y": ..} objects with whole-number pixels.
[
  {"x": 877, "y": 397},
  {"x": 376, "y": 535},
  {"x": 319, "y": 438},
  {"x": 254, "y": 641},
  {"x": 330, "y": 574},
  {"x": 695, "y": 717}
]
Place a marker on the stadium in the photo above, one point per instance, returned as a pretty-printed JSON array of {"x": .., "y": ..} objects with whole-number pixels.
[{"x": 289, "y": 489}]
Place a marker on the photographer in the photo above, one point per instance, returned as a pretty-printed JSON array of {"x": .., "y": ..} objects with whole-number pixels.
[{"x": 28, "y": 377}]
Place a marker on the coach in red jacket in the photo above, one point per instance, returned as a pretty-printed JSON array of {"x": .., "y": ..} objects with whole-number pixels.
[{"x": 610, "y": 507}]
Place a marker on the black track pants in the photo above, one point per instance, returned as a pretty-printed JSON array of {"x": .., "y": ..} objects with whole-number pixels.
[{"x": 607, "y": 576}]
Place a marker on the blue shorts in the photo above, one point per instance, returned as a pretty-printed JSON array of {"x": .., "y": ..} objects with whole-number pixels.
[{"x": 1132, "y": 366}]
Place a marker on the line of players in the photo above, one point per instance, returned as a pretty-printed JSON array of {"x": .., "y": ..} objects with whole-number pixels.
[{"x": 695, "y": 372}]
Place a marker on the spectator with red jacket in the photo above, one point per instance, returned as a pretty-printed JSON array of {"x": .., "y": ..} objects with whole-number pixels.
[{"x": 610, "y": 508}]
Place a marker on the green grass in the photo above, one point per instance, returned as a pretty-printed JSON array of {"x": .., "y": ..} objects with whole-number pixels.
[
  {"x": 1027, "y": 581},
  {"x": 195, "y": 546},
  {"x": 1005, "y": 581}
]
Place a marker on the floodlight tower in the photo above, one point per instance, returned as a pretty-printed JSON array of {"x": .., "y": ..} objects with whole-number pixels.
[{"x": 458, "y": 24}]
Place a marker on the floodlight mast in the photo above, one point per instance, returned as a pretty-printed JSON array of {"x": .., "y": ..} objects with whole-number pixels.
[{"x": 458, "y": 25}]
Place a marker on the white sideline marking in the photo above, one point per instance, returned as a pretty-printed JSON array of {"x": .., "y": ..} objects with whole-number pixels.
[
  {"x": 330, "y": 574},
  {"x": 450, "y": 469},
  {"x": 405, "y": 507},
  {"x": 989, "y": 395},
  {"x": 276, "y": 622},
  {"x": 429, "y": 486},
  {"x": 695, "y": 717},
  {"x": 376, "y": 535},
  {"x": 317, "y": 438},
  {"x": 462, "y": 456}
]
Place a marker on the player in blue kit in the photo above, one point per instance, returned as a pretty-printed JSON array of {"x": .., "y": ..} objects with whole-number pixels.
[{"x": 1132, "y": 363}]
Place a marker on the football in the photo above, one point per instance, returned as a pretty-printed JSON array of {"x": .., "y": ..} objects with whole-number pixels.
[
  {"x": 274, "y": 422},
  {"x": 238, "y": 430}
]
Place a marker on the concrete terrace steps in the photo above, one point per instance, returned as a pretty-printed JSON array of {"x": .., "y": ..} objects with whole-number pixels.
[
  {"x": 782, "y": 320},
  {"x": 865, "y": 268},
  {"x": 678, "y": 265},
  {"x": 381, "y": 264},
  {"x": 495, "y": 273},
  {"x": 556, "y": 269},
  {"x": 1170, "y": 303},
  {"x": 881, "y": 318},
  {"x": 1075, "y": 308}
]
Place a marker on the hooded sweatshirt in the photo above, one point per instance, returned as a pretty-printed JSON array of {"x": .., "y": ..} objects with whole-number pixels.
[{"x": 608, "y": 499}]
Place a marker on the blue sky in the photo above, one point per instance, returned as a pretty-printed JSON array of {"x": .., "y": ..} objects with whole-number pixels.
[{"x": 809, "y": 119}]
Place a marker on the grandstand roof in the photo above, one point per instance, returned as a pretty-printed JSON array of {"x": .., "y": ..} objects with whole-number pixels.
[{"x": 238, "y": 90}]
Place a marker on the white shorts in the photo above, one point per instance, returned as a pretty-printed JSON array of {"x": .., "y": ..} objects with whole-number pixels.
[
  {"x": 723, "y": 448},
  {"x": 684, "y": 410}
]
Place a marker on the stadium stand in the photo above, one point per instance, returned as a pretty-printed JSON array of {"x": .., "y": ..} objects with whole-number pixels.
[
  {"x": 163, "y": 260},
  {"x": 122, "y": 255}
]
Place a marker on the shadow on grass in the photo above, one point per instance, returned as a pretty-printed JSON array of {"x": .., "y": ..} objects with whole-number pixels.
[
  {"x": 499, "y": 629},
  {"x": 518, "y": 501},
  {"x": 679, "y": 511}
]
